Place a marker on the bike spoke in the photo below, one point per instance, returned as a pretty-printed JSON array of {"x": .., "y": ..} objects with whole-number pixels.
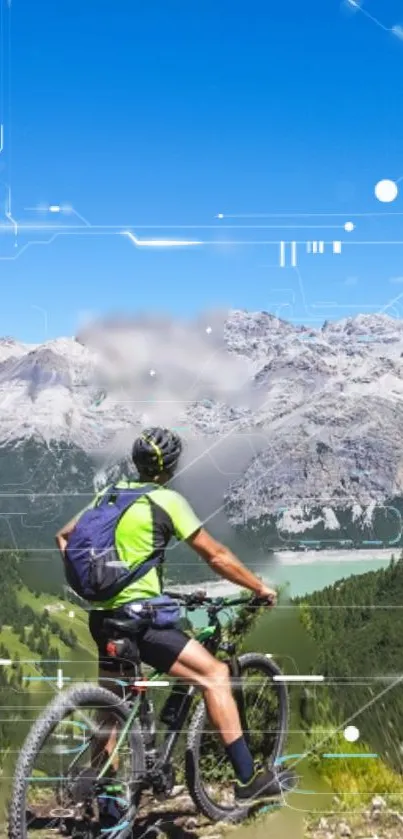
[
  {"x": 261, "y": 712},
  {"x": 62, "y": 788}
]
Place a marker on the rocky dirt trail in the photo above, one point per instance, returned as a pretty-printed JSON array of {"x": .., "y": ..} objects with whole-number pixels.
[
  {"x": 377, "y": 821},
  {"x": 176, "y": 818}
]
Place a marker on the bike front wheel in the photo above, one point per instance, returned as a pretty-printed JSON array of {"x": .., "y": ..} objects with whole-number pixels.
[
  {"x": 209, "y": 775},
  {"x": 56, "y": 786}
]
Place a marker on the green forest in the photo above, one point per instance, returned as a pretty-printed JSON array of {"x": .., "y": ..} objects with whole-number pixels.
[
  {"x": 357, "y": 625},
  {"x": 38, "y": 634}
]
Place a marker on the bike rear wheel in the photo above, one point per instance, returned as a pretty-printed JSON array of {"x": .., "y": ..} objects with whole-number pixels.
[
  {"x": 55, "y": 787},
  {"x": 210, "y": 777}
]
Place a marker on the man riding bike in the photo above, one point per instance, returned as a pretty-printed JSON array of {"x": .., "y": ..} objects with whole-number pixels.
[{"x": 145, "y": 530}]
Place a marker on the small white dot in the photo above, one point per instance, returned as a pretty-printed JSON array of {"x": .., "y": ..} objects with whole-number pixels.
[
  {"x": 351, "y": 733},
  {"x": 386, "y": 191},
  {"x": 220, "y": 215},
  {"x": 54, "y": 208},
  {"x": 349, "y": 226},
  {"x": 152, "y": 372},
  {"x": 209, "y": 330}
]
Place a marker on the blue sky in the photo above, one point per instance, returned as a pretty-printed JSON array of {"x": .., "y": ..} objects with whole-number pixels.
[{"x": 167, "y": 112}]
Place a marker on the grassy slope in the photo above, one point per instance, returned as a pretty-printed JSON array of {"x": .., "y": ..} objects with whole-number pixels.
[
  {"x": 283, "y": 824},
  {"x": 79, "y": 624},
  {"x": 84, "y": 652}
]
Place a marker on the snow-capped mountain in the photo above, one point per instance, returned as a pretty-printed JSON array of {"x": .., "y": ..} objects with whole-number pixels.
[
  {"x": 327, "y": 403},
  {"x": 50, "y": 391}
]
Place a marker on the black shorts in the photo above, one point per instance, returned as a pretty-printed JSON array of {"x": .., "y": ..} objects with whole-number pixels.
[{"x": 159, "y": 648}]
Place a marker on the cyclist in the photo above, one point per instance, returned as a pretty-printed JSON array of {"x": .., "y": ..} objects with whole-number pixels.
[{"x": 146, "y": 527}]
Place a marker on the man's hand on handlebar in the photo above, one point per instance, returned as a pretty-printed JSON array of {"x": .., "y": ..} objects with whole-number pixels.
[
  {"x": 265, "y": 596},
  {"x": 200, "y": 594},
  {"x": 269, "y": 595}
]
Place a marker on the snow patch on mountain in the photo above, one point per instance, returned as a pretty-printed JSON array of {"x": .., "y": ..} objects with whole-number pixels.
[{"x": 327, "y": 404}]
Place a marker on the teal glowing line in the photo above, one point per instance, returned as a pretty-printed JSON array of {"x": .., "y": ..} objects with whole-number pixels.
[
  {"x": 74, "y": 750},
  {"x": 45, "y": 678},
  {"x": 328, "y": 542},
  {"x": 269, "y": 808},
  {"x": 350, "y": 755},
  {"x": 78, "y": 723},
  {"x": 282, "y": 759},
  {"x": 372, "y": 542}
]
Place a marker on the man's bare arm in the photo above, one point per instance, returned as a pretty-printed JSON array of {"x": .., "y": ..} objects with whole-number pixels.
[
  {"x": 226, "y": 564},
  {"x": 63, "y": 534}
]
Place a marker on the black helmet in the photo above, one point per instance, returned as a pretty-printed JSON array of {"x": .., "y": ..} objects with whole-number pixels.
[{"x": 156, "y": 450}]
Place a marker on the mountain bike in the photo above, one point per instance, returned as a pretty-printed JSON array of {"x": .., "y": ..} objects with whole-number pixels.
[{"x": 65, "y": 781}]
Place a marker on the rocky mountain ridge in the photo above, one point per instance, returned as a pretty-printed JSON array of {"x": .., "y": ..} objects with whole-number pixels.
[{"x": 327, "y": 404}]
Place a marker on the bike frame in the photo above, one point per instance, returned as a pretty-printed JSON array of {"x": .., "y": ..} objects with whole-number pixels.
[{"x": 211, "y": 638}]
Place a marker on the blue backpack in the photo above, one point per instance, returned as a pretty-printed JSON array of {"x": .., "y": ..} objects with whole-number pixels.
[{"x": 93, "y": 567}]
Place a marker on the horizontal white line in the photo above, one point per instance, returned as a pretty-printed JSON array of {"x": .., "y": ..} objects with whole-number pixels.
[
  {"x": 289, "y": 215},
  {"x": 153, "y": 684},
  {"x": 298, "y": 678},
  {"x": 5, "y": 662}
]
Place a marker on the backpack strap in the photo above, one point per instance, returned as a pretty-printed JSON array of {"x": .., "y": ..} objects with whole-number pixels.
[
  {"x": 141, "y": 570},
  {"x": 111, "y": 497}
]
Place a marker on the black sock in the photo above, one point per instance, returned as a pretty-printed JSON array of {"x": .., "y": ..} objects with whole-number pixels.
[{"x": 241, "y": 759}]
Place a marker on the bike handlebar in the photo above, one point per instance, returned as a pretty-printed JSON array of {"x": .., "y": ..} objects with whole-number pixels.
[{"x": 200, "y": 599}]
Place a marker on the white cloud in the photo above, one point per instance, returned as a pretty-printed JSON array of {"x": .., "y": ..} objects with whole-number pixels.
[{"x": 191, "y": 363}]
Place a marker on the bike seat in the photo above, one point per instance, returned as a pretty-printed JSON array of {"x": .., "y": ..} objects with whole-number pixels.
[{"x": 122, "y": 627}]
